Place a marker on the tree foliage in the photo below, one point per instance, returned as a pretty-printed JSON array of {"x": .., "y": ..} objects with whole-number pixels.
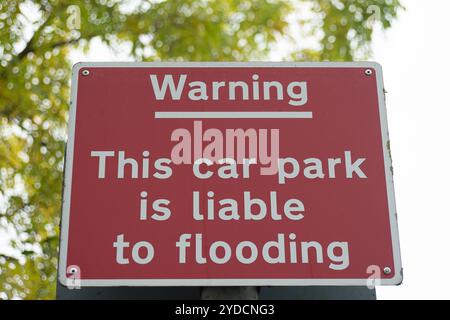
[{"x": 36, "y": 38}]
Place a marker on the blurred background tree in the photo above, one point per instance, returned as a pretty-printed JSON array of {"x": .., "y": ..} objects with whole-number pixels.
[{"x": 36, "y": 39}]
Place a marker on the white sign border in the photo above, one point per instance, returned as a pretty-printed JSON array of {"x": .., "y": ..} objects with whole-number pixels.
[{"x": 396, "y": 278}]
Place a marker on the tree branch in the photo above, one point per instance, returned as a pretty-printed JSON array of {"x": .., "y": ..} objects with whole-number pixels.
[
  {"x": 29, "y": 46},
  {"x": 8, "y": 257}
]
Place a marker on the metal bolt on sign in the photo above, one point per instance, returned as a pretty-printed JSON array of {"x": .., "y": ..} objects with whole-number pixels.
[
  {"x": 85, "y": 72},
  {"x": 387, "y": 270},
  {"x": 368, "y": 72}
]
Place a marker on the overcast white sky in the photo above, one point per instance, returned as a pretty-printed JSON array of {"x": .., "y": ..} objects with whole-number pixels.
[{"x": 415, "y": 59}]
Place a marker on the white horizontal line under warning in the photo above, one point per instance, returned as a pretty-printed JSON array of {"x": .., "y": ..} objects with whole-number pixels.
[{"x": 232, "y": 115}]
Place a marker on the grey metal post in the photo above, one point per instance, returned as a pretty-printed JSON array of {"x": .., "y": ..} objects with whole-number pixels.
[
  {"x": 230, "y": 293},
  {"x": 194, "y": 293}
]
